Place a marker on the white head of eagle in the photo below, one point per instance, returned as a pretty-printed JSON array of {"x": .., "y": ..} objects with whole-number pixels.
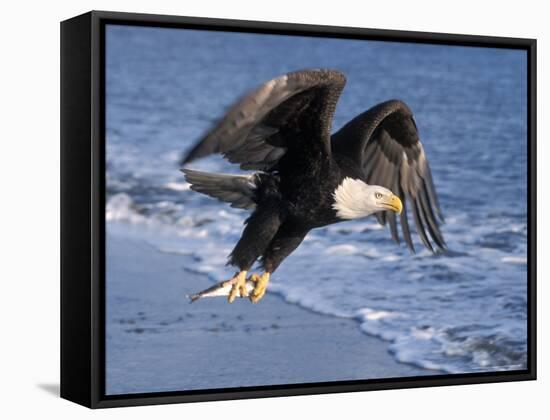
[{"x": 354, "y": 199}]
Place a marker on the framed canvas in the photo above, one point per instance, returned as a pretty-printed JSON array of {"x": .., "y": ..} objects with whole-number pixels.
[{"x": 254, "y": 209}]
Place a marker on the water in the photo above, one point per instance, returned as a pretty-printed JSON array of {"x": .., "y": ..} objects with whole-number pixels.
[{"x": 460, "y": 312}]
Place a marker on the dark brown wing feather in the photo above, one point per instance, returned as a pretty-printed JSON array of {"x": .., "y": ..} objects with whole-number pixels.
[
  {"x": 291, "y": 112},
  {"x": 384, "y": 141}
]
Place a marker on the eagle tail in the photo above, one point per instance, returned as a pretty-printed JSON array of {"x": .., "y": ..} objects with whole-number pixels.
[{"x": 238, "y": 190}]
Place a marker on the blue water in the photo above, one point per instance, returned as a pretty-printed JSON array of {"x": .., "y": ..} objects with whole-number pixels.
[{"x": 460, "y": 312}]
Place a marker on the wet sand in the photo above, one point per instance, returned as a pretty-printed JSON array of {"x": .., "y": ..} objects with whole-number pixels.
[{"x": 158, "y": 341}]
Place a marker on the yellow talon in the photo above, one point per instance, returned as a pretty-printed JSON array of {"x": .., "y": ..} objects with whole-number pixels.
[
  {"x": 239, "y": 286},
  {"x": 260, "y": 288}
]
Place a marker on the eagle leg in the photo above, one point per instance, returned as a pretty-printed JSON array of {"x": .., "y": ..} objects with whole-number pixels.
[
  {"x": 238, "y": 288},
  {"x": 260, "y": 287}
]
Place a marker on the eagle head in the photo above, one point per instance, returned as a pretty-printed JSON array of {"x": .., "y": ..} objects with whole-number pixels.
[{"x": 354, "y": 199}]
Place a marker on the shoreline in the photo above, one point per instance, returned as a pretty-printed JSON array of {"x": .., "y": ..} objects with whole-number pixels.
[{"x": 156, "y": 341}]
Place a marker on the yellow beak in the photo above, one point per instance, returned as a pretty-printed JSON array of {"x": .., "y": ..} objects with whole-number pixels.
[{"x": 392, "y": 203}]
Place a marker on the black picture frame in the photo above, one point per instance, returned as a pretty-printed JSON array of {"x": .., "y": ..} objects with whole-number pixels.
[{"x": 83, "y": 208}]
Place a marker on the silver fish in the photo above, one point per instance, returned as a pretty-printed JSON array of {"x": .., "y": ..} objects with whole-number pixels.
[{"x": 220, "y": 289}]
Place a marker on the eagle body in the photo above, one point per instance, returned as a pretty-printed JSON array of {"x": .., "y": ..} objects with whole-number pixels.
[
  {"x": 286, "y": 209},
  {"x": 305, "y": 177}
]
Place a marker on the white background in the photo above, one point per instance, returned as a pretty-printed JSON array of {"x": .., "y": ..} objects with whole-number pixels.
[{"x": 29, "y": 230}]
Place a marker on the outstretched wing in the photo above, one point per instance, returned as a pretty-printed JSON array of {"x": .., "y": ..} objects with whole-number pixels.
[
  {"x": 291, "y": 112},
  {"x": 384, "y": 142}
]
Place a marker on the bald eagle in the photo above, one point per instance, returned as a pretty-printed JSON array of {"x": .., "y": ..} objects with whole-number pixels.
[{"x": 307, "y": 178}]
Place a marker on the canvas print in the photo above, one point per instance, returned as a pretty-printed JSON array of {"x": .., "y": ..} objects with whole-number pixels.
[{"x": 297, "y": 209}]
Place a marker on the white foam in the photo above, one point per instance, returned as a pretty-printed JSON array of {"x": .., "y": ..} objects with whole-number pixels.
[
  {"x": 423, "y": 334},
  {"x": 514, "y": 260},
  {"x": 177, "y": 186},
  {"x": 343, "y": 249},
  {"x": 121, "y": 207},
  {"x": 369, "y": 314}
]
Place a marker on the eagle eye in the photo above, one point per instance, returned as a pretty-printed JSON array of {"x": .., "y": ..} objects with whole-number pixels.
[{"x": 378, "y": 196}]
